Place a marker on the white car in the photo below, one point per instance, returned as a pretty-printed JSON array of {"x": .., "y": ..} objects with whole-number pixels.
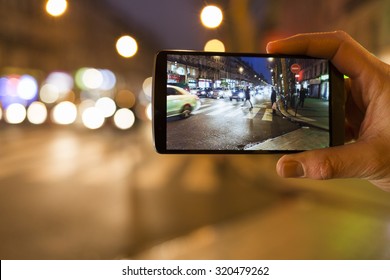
[{"x": 180, "y": 102}]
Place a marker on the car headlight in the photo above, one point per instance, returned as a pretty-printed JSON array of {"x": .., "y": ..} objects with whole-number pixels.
[{"x": 241, "y": 95}]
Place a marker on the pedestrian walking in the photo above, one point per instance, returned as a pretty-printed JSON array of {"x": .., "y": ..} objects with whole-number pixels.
[
  {"x": 302, "y": 96},
  {"x": 248, "y": 97}
]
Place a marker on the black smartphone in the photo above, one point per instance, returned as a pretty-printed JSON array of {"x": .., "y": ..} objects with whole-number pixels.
[{"x": 217, "y": 102}]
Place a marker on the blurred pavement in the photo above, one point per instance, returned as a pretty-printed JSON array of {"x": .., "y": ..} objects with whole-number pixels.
[{"x": 69, "y": 194}]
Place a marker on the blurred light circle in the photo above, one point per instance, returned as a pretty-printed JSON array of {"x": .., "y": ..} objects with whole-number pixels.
[
  {"x": 148, "y": 111},
  {"x": 85, "y": 104},
  {"x": 27, "y": 87},
  {"x": 92, "y": 118},
  {"x": 106, "y": 105},
  {"x": 126, "y": 46},
  {"x": 211, "y": 16},
  {"x": 92, "y": 78},
  {"x": 64, "y": 113},
  {"x": 56, "y": 7},
  {"x": 125, "y": 99},
  {"x": 109, "y": 79},
  {"x": 62, "y": 81},
  {"x": 15, "y": 113},
  {"x": 214, "y": 45},
  {"x": 79, "y": 78},
  {"x": 37, "y": 113},
  {"x": 49, "y": 93},
  {"x": 124, "y": 118},
  {"x": 147, "y": 86}
]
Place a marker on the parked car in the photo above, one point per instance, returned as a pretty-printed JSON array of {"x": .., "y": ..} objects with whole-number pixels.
[{"x": 180, "y": 102}]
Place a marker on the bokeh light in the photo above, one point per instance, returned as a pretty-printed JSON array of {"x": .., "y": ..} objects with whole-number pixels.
[
  {"x": 92, "y": 78},
  {"x": 125, "y": 99},
  {"x": 92, "y": 118},
  {"x": 27, "y": 87},
  {"x": 37, "y": 113},
  {"x": 64, "y": 113},
  {"x": 15, "y": 113},
  {"x": 49, "y": 93},
  {"x": 95, "y": 79},
  {"x": 56, "y": 8},
  {"x": 106, "y": 106},
  {"x": 126, "y": 46},
  {"x": 211, "y": 16},
  {"x": 109, "y": 79},
  {"x": 214, "y": 45},
  {"x": 147, "y": 87},
  {"x": 148, "y": 111},
  {"x": 18, "y": 89},
  {"x": 124, "y": 118}
]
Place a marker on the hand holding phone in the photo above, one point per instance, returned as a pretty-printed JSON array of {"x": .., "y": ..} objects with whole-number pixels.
[{"x": 208, "y": 102}]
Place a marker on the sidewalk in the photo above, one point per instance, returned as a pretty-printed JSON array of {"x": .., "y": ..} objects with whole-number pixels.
[{"x": 315, "y": 113}]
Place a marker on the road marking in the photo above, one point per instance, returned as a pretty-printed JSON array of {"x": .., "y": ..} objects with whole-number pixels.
[
  {"x": 219, "y": 111},
  {"x": 234, "y": 113},
  {"x": 267, "y": 115},
  {"x": 231, "y": 110},
  {"x": 203, "y": 107},
  {"x": 252, "y": 113}
]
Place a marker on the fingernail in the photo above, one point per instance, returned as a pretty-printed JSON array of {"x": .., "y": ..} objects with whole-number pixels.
[
  {"x": 292, "y": 169},
  {"x": 268, "y": 47}
]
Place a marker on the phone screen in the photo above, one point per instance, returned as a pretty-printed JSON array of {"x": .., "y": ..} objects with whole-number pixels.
[{"x": 243, "y": 103}]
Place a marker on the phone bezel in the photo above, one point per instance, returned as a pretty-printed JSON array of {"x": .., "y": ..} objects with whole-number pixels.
[{"x": 159, "y": 103}]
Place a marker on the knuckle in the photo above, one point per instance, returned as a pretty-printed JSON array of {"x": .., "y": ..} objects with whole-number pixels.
[
  {"x": 326, "y": 170},
  {"x": 341, "y": 34}
]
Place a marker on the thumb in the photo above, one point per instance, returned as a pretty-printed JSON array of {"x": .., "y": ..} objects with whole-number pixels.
[{"x": 348, "y": 161}]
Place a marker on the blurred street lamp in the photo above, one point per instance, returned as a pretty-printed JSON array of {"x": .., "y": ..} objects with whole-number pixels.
[
  {"x": 214, "y": 46},
  {"x": 56, "y": 8},
  {"x": 126, "y": 46},
  {"x": 211, "y": 16}
]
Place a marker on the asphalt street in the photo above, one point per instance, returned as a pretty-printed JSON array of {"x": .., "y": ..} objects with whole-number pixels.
[{"x": 221, "y": 124}]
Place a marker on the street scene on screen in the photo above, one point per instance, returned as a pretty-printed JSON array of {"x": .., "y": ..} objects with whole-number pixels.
[{"x": 247, "y": 103}]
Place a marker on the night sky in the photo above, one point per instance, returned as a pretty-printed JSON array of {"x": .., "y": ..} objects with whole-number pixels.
[{"x": 259, "y": 65}]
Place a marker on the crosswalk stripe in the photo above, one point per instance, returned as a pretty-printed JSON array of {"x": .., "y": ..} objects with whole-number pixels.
[
  {"x": 252, "y": 113},
  {"x": 267, "y": 115},
  {"x": 220, "y": 110},
  {"x": 234, "y": 113},
  {"x": 203, "y": 108},
  {"x": 232, "y": 110}
]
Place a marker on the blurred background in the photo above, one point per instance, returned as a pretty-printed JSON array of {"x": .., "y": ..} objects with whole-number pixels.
[{"x": 79, "y": 177}]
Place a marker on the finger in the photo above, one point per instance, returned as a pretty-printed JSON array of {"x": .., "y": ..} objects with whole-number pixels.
[
  {"x": 336, "y": 162},
  {"x": 346, "y": 54}
]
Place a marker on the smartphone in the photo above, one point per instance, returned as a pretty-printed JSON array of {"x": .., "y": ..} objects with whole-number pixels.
[{"x": 241, "y": 103}]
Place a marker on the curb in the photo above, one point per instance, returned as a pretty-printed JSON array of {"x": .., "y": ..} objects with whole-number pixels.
[{"x": 298, "y": 120}]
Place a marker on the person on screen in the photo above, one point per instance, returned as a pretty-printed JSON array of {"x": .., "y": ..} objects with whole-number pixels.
[
  {"x": 248, "y": 97},
  {"x": 367, "y": 152},
  {"x": 302, "y": 96}
]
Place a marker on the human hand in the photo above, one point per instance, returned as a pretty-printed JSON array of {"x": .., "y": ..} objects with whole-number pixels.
[{"x": 367, "y": 112}]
